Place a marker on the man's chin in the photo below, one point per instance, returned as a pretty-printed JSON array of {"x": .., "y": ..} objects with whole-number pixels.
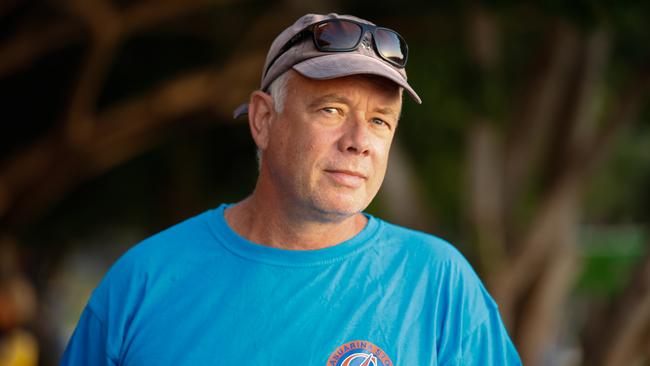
[{"x": 339, "y": 211}]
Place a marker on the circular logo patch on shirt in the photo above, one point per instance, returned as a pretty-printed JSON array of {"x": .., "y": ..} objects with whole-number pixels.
[{"x": 359, "y": 353}]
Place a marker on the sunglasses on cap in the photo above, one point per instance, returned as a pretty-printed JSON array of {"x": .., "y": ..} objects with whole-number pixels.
[{"x": 344, "y": 35}]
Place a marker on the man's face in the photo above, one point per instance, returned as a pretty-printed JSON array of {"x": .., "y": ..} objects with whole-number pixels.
[{"x": 328, "y": 149}]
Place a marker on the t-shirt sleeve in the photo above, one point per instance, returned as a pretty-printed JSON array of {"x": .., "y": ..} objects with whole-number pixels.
[
  {"x": 489, "y": 344},
  {"x": 88, "y": 344},
  {"x": 474, "y": 333},
  {"x": 105, "y": 321}
]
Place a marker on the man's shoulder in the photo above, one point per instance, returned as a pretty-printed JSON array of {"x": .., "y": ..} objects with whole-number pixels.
[
  {"x": 428, "y": 256},
  {"x": 429, "y": 246},
  {"x": 165, "y": 247},
  {"x": 177, "y": 237},
  {"x": 155, "y": 258}
]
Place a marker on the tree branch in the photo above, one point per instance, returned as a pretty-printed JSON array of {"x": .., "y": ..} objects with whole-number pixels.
[
  {"x": 617, "y": 338},
  {"x": 21, "y": 50},
  {"x": 624, "y": 113},
  {"x": 35, "y": 178},
  {"x": 542, "y": 308},
  {"x": 578, "y": 120},
  {"x": 101, "y": 18},
  {"x": 531, "y": 125},
  {"x": 485, "y": 200},
  {"x": 400, "y": 192}
]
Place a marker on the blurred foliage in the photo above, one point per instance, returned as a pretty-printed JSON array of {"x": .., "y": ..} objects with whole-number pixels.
[
  {"x": 620, "y": 191},
  {"x": 610, "y": 255},
  {"x": 195, "y": 169}
]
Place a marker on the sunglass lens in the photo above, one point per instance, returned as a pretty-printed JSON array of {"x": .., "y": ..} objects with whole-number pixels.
[
  {"x": 337, "y": 35},
  {"x": 391, "y": 46}
]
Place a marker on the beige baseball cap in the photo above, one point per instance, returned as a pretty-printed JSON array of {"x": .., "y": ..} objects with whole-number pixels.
[{"x": 307, "y": 60}]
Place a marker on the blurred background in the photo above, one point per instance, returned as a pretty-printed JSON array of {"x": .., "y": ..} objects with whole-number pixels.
[{"x": 531, "y": 152}]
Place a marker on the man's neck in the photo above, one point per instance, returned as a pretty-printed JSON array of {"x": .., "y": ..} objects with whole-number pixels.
[{"x": 269, "y": 225}]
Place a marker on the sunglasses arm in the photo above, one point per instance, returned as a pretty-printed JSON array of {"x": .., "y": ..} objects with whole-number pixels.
[{"x": 287, "y": 46}]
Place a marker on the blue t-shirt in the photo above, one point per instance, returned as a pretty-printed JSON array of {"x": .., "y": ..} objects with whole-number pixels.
[{"x": 200, "y": 294}]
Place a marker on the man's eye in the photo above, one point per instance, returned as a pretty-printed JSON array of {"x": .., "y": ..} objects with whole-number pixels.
[
  {"x": 380, "y": 122},
  {"x": 330, "y": 110}
]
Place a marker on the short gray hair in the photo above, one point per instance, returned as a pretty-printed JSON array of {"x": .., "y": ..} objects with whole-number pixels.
[{"x": 278, "y": 90}]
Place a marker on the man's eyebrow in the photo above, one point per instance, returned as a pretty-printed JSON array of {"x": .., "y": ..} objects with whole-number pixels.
[
  {"x": 386, "y": 111},
  {"x": 329, "y": 98}
]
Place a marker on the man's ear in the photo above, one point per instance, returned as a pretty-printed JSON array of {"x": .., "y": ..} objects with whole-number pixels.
[{"x": 261, "y": 113}]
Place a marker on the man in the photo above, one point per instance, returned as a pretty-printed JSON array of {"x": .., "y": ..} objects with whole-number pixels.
[{"x": 296, "y": 273}]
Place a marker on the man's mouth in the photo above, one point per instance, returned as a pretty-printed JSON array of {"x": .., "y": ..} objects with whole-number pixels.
[{"x": 347, "y": 178}]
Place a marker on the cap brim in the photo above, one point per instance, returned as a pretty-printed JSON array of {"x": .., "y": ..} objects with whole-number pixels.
[
  {"x": 346, "y": 64},
  {"x": 240, "y": 111}
]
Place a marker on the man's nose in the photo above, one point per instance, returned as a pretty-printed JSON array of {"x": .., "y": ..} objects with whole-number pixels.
[{"x": 356, "y": 137}]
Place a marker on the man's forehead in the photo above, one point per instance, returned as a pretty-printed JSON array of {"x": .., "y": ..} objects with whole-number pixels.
[{"x": 340, "y": 86}]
